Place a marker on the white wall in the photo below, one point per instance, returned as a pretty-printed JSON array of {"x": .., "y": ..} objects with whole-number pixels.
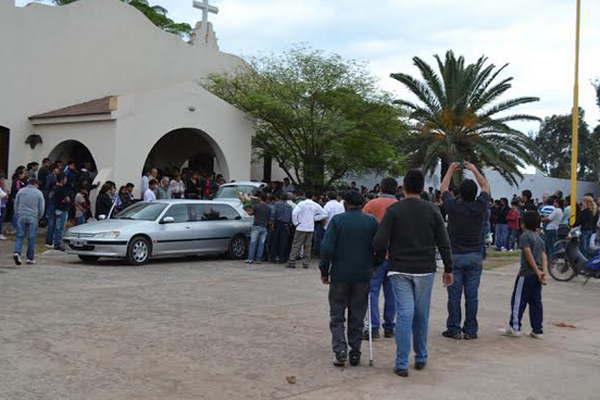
[
  {"x": 57, "y": 56},
  {"x": 98, "y": 137},
  {"x": 537, "y": 183},
  {"x": 144, "y": 118}
]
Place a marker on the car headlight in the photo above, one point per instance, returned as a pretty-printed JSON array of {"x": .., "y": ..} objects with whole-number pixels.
[{"x": 108, "y": 235}]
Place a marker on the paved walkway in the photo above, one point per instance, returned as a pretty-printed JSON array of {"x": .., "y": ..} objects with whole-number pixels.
[{"x": 213, "y": 329}]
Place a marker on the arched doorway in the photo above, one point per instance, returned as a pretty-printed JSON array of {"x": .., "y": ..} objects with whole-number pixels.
[
  {"x": 73, "y": 150},
  {"x": 187, "y": 148},
  {"x": 4, "y": 150}
]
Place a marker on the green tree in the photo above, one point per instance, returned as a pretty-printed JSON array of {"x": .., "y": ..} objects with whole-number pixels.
[
  {"x": 553, "y": 147},
  {"x": 317, "y": 115},
  {"x": 458, "y": 117},
  {"x": 156, "y": 14}
]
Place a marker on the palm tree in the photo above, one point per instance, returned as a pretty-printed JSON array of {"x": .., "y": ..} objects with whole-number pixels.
[
  {"x": 458, "y": 118},
  {"x": 157, "y": 14}
]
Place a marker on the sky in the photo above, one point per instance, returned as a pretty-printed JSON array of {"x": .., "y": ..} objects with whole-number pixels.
[{"x": 536, "y": 37}]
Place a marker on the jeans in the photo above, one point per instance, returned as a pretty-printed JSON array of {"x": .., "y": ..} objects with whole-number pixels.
[
  {"x": 513, "y": 239},
  {"x": 258, "y": 237},
  {"x": 301, "y": 240},
  {"x": 60, "y": 219},
  {"x": 351, "y": 296},
  {"x": 26, "y": 226},
  {"x": 550, "y": 236},
  {"x": 379, "y": 279},
  {"x": 51, "y": 217},
  {"x": 413, "y": 297},
  {"x": 584, "y": 244},
  {"x": 80, "y": 220},
  {"x": 467, "y": 275},
  {"x": 318, "y": 236},
  {"x": 280, "y": 247},
  {"x": 501, "y": 236},
  {"x": 527, "y": 292}
]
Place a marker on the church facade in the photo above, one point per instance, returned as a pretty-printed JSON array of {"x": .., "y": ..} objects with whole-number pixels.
[{"x": 96, "y": 82}]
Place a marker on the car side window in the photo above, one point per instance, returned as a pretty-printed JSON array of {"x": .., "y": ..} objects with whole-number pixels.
[
  {"x": 179, "y": 212},
  {"x": 226, "y": 212}
]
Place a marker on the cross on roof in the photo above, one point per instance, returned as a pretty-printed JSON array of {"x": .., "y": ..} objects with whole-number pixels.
[{"x": 206, "y": 8}]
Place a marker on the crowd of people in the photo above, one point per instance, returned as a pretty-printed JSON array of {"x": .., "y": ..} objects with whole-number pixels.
[
  {"x": 51, "y": 194},
  {"x": 388, "y": 238}
]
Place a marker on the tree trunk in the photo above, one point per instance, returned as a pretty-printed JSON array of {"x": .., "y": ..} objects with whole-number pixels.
[{"x": 314, "y": 174}]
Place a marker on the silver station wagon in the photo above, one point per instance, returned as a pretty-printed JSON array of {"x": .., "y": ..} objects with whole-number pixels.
[{"x": 164, "y": 228}]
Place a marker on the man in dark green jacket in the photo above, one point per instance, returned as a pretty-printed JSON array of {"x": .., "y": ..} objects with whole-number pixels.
[{"x": 348, "y": 248}]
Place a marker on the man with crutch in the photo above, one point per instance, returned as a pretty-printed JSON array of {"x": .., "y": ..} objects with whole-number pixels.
[{"x": 347, "y": 266}]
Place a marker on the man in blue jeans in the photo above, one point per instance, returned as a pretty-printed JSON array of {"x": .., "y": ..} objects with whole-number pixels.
[
  {"x": 28, "y": 209},
  {"x": 377, "y": 208},
  {"x": 258, "y": 235},
  {"x": 62, "y": 205},
  {"x": 466, "y": 219},
  {"x": 412, "y": 229}
]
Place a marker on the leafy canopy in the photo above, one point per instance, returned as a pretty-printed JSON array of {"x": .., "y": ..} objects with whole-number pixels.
[
  {"x": 458, "y": 116},
  {"x": 156, "y": 14},
  {"x": 317, "y": 115},
  {"x": 553, "y": 148}
]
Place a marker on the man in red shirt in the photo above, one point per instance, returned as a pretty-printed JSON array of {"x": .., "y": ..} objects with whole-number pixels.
[{"x": 377, "y": 208}]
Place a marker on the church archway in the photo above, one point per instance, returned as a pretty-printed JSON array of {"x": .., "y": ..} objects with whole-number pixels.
[
  {"x": 73, "y": 150},
  {"x": 187, "y": 148},
  {"x": 4, "y": 150}
]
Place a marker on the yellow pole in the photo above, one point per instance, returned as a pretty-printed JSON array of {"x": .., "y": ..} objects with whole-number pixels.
[{"x": 575, "y": 127}]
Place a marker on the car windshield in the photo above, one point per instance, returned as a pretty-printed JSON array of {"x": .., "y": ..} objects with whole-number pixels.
[
  {"x": 231, "y": 192},
  {"x": 142, "y": 212}
]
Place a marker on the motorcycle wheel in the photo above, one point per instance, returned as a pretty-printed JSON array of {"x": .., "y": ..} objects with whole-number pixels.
[{"x": 561, "y": 269}]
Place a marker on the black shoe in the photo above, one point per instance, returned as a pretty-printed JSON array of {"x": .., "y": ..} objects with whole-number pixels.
[
  {"x": 291, "y": 266},
  {"x": 354, "y": 359},
  {"x": 340, "y": 359},
  {"x": 17, "y": 258},
  {"x": 388, "y": 333},
  {"x": 420, "y": 365},
  {"x": 452, "y": 335},
  {"x": 305, "y": 266},
  {"x": 401, "y": 372},
  {"x": 467, "y": 336},
  {"x": 374, "y": 334}
]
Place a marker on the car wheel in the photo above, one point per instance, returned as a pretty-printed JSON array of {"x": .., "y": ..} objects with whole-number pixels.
[
  {"x": 89, "y": 259},
  {"x": 138, "y": 251},
  {"x": 238, "y": 247}
]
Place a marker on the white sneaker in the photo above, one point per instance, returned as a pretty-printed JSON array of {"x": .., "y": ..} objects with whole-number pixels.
[
  {"x": 536, "y": 335},
  {"x": 2, "y": 237},
  {"x": 30, "y": 262},
  {"x": 49, "y": 246},
  {"x": 510, "y": 332}
]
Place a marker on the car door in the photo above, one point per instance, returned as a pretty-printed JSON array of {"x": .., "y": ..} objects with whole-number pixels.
[
  {"x": 225, "y": 223},
  {"x": 176, "y": 237},
  {"x": 211, "y": 224}
]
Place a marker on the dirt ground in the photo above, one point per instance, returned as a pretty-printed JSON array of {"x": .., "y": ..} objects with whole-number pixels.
[{"x": 215, "y": 329}]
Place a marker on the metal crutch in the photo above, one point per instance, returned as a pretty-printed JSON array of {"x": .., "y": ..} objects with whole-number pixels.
[{"x": 370, "y": 331}]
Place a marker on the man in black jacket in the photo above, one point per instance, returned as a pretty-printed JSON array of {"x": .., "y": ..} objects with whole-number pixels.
[
  {"x": 348, "y": 246},
  {"x": 411, "y": 230}
]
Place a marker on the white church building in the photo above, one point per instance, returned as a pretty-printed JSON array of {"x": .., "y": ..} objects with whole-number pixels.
[{"x": 95, "y": 81}]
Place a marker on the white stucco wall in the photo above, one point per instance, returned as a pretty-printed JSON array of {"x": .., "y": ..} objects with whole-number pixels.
[
  {"x": 144, "y": 118},
  {"x": 57, "y": 56},
  {"x": 98, "y": 137}
]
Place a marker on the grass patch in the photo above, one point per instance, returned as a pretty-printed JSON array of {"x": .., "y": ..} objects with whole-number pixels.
[{"x": 499, "y": 259}]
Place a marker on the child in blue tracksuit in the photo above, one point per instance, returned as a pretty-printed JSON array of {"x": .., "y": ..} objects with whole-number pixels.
[{"x": 532, "y": 275}]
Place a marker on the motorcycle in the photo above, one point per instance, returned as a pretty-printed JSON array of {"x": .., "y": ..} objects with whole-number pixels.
[{"x": 567, "y": 261}]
